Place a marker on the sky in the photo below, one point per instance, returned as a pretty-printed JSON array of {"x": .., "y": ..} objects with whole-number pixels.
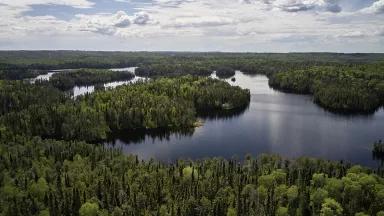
[{"x": 193, "y": 25}]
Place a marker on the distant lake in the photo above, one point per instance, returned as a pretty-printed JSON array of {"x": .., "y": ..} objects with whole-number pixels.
[{"x": 275, "y": 122}]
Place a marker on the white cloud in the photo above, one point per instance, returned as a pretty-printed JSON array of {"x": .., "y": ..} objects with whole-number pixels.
[
  {"x": 300, "y": 5},
  {"x": 120, "y": 20},
  {"x": 71, "y": 3},
  {"x": 172, "y": 3},
  {"x": 201, "y": 21},
  {"x": 377, "y": 8},
  {"x": 366, "y": 33},
  {"x": 107, "y": 24},
  {"x": 293, "y": 5},
  {"x": 112, "y": 24},
  {"x": 141, "y": 18},
  {"x": 352, "y": 34},
  {"x": 236, "y": 23}
]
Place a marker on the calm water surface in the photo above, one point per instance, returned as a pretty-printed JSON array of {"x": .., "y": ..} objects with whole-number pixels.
[{"x": 275, "y": 122}]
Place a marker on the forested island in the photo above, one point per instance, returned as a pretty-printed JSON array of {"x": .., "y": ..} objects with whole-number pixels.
[
  {"x": 171, "y": 103},
  {"x": 53, "y": 161},
  {"x": 67, "y": 80},
  {"x": 225, "y": 72}
]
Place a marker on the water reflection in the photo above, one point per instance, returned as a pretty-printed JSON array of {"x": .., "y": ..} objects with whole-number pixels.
[
  {"x": 138, "y": 136},
  {"x": 378, "y": 152},
  {"x": 275, "y": 122},
  {"x": 223, "y": 114}
]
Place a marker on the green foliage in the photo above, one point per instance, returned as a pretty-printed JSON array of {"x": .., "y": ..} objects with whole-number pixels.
[
  {"x": 50, "y": 177},
  {"x": 23, "y": 64},
  {"x": 189, "y": 172},
  {"x": 282, "y": 211},
  {"x": 331, "y": 207},
  {"x": 225, "y": 72},
  {"x": 18, "y": 95},
  {"x": 166, "y": 103},
  {"x": 343, "y": 88},
  {"x": 89, "y": 209},
  {"x": 41, "y": 177},
  {"x": 67, "y": 80},
  {"x": 361, "y": 214},
  {"x": 378, "y": 151},
  {"x": 231, "y": 212},
  {"x": 339, "y": 82}
]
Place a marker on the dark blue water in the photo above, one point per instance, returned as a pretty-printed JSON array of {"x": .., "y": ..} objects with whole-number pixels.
[{"x": 287, "y": 124}]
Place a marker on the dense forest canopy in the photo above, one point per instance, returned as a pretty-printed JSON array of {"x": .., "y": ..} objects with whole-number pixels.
[
  {"x": 12, "y": 63},
  {"x": 168, "y": 103},
  {"x": 46, "y": 59},
  {"x": 340, "y": 88},
  {"x": 17, "y": 95},
  {"x": 48, "y": 177},
  {"x": 81, "y": 77},
  {"x": 339, "y": 82},
  {"x": 225, "y": 72},
  {"x": 51, "y": 164}
]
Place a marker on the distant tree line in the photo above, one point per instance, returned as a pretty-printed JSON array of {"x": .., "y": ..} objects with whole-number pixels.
[
  {"x": 339, "y": 82},
  {"x": 26, "y": 64},
  {"x": 84, "y": 77}
]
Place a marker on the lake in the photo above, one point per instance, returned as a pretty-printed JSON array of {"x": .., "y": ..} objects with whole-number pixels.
[
  {"x": 287, "y": 124},
  {"x": 275, "y": 122}
]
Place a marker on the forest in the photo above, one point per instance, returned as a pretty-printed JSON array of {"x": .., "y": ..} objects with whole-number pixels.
[
  {"x": 85, "y": 77},
  {"x": 21, "y": 64},
  {"x": 52, "y": 161},
  {"x": 345, "y": 83},
  {"x": 49, "y": 177},
  {"x": 167, "y": 103},
  {"x": 225, "y": 72},
  {"x": 343, "y": 88}
]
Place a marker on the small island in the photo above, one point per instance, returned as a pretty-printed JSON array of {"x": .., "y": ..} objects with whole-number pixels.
[
  {"x": 225, "y": 72},
  {"x": 81, "y": 77}
]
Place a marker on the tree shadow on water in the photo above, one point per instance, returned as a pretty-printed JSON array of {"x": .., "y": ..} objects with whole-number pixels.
[
  {"x": 158, "y": 135},
  {"x": 378, "y": 155},
  {"x": 222, "y": 114},
  {"x": 140, "y": 135}
]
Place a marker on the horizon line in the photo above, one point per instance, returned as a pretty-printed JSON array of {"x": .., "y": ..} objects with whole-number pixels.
[{"x": 180, "y": 51}]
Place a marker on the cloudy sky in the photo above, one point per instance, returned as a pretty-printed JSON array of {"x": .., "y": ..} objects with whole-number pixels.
[{"x": 194, "y": 25}]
